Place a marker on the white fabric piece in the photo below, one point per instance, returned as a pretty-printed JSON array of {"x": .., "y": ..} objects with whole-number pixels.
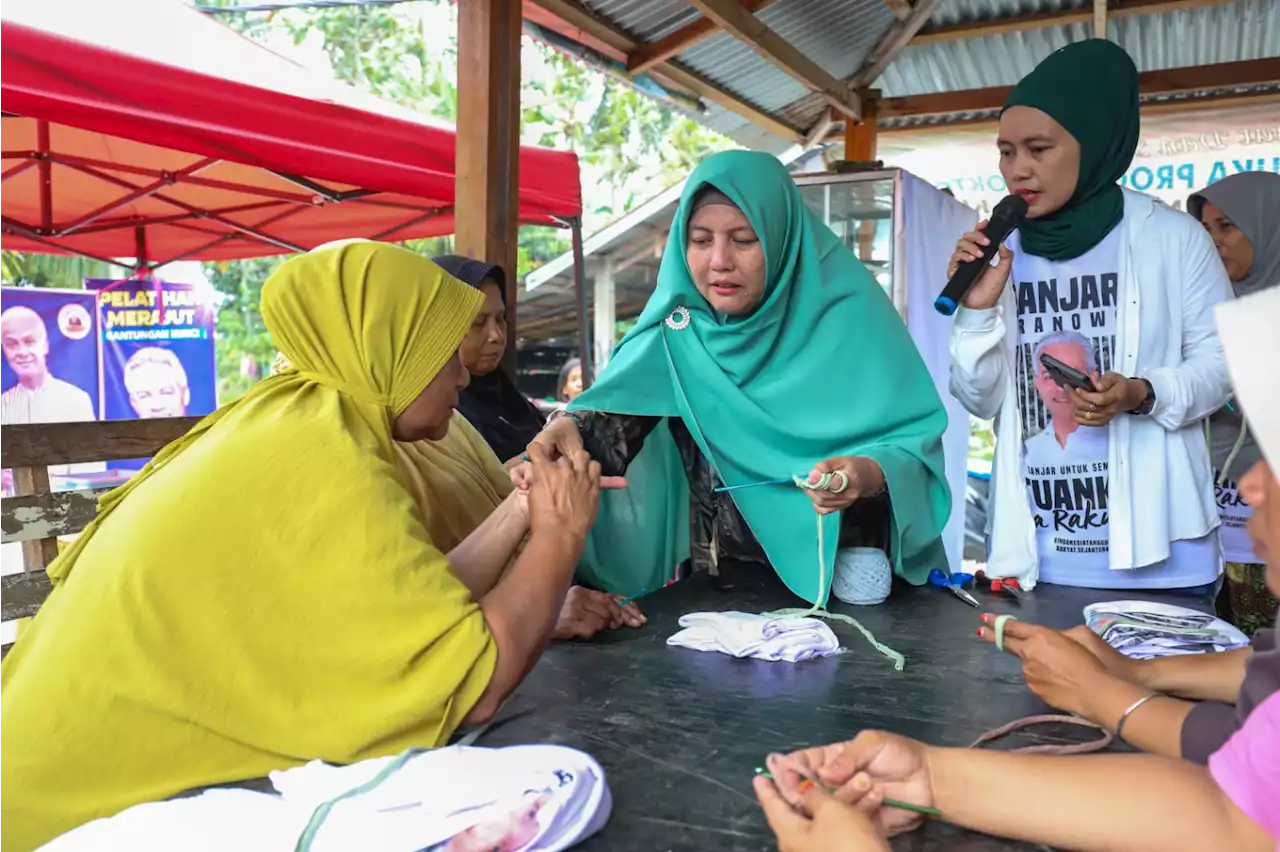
[
  {"x": 536, "y": 798},
  {"x": 1249, "y": 336},
  {"x": 1161, "y": 487},
  {"x": 1144, "y": 630},
  {"x": 926, "y": 232},
  {"x": 762, "y": 637},
  {"x": 862, "y": 577}
]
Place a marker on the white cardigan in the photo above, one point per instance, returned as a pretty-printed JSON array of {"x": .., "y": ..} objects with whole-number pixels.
[{"x": 1161, "y": 483}]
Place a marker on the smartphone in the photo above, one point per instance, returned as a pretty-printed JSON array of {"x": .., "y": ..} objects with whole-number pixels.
[{"x": 1065, "y": 375}]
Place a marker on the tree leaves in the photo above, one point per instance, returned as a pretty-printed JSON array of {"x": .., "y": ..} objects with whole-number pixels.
[{"x": 631, "y": 147}]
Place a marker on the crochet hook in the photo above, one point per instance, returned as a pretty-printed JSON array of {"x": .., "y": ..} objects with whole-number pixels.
[
  {"x": 889, "y": 803},
  {"x": 782, "y": 480},
  {"x": 626, "y": 601}
]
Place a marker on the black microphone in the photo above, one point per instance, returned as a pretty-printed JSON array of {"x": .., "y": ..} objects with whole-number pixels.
[{"x": 1008, "y": 215}]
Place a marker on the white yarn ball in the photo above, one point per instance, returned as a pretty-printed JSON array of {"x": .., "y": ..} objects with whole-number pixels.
[{"x": 862, "y": 576}]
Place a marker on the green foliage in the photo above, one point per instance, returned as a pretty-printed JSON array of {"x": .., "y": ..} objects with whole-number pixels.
[
  {"x": 66, "y": 272},
  {"x": 630, "y": 146},
  {"x": 242, "y": 346},
  {"x": 982, "y": 439}
]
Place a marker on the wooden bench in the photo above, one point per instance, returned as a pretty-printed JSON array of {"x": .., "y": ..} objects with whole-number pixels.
[{"x": 37, "y": 516}]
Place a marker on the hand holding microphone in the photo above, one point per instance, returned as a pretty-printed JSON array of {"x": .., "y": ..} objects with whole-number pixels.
[{"x": 972, "y": 281}]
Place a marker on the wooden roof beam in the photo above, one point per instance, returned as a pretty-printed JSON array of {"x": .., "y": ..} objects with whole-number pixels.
[
  {"x": 1171, "y": 81},
  {"x": 748, "y": 29},
  {"x": 573, "y": 20},
  {"x": 1041, "y": 20},
  {"x": 646, "y": 56},
  {"x": 892, "y": 43},
  {"x": 901, "y": 9}
]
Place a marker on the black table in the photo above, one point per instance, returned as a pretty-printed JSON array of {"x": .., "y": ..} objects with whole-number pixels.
[{"x": 680, "y": 732}]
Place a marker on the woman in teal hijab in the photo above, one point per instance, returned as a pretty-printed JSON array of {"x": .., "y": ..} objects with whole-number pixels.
[{"x": 771, "y": 352}]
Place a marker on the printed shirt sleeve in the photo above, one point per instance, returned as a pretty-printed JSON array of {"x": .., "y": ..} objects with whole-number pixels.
[
  {"x": 1247, "y": 768},
  {"x": 613, "y": 439}
]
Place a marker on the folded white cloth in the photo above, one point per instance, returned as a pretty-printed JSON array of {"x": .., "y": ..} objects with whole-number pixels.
[
  {"x": 526, "y": 798},
  {"x": 763, "y": 637}
]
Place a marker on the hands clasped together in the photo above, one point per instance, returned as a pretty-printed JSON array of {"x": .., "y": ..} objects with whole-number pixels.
[
  {"x": 833, "y": 797},
  {"x": 562, "y": 490}
]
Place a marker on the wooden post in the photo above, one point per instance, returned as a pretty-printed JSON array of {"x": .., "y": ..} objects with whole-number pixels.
[
  {"x": 37, "y": 554},
  {"x": 488, "y": 143},
  {"x": 604, "y": 307},
  {"x": 860, "y": 136}
]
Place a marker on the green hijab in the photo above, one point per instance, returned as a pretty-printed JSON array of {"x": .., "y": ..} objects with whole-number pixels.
[
  {"x": 1091, "y": 89},
  {"x": 823, "y": 367}
]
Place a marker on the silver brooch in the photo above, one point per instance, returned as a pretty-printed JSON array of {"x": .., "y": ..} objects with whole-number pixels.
[{"x": 678, "y": 320}]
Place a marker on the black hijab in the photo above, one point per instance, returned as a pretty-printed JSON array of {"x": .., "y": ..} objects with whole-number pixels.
[{"x": 492, "y": 404}]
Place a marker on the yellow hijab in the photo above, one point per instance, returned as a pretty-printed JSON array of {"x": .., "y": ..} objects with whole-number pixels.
[
  {"x": 457, "y": 481},
  {"x": 264, "y": 593}
]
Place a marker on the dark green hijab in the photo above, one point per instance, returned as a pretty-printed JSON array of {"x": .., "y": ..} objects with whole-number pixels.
[{"x": 1091, "y": 89}]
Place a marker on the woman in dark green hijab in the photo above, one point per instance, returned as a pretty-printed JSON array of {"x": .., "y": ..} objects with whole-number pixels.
[
  {"x": 770, "y": 352},
  {"x": 1106, "y": 486}
]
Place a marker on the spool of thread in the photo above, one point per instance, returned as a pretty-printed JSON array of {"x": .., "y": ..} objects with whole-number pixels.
[{"x": 862, "y": 577}]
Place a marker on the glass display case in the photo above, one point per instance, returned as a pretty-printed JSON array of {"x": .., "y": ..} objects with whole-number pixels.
[
  {"x": 861, "y": 209},
  {"x": 904, "y": 229}
]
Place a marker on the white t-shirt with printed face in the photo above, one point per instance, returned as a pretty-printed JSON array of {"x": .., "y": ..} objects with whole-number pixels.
[{"x": 1067, "y": 309}]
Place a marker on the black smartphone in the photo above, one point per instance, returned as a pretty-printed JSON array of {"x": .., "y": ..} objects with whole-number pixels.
[{"x": 1066, "y": 375}]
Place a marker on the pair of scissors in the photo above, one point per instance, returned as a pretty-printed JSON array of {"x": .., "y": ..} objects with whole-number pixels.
[
  {"x": 1008, "y": 584},
  {"x": 955, "y": 584}
]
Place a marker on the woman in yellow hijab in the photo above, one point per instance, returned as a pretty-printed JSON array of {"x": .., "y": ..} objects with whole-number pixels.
[
  {"x": 457, "y": 482},
  {"x": 265, "y": 593}
]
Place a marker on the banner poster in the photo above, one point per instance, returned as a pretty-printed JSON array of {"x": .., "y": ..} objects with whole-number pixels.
[
  {"x": 50, "y": 369},
  {"x": 157, "y": 350}
]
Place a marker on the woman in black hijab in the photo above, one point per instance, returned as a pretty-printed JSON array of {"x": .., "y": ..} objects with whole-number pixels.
[{"x": 491, "y": 403}]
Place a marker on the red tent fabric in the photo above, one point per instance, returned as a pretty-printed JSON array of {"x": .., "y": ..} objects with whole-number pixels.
[{"x": 143, "y": 128}]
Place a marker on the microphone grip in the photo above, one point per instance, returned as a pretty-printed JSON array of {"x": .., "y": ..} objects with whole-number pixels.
[{"x": 967, "y": 272}]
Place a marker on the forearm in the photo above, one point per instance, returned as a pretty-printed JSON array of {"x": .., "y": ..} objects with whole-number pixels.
[
  {"x": 480, "y": 558},
  {"x": 1154, "y": 727},
  {"x": 978, "y": 362},
  {"x": 521, "y": 612},
  {"x": 612, "y": 439},
  {"x": 1103, "y": 802},
  {"x": 1202, "y": 677}
]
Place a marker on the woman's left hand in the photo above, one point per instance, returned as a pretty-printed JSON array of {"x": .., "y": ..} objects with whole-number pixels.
[
  {"x": 1115, "y": 394},
  {"x": 821, "y": 823},
  {"x": 1056, "y": 668},
  {"x": 859, "y": 476}
]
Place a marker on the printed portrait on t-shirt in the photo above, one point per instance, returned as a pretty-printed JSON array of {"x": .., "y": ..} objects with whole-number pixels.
[
  {"x": 1066, "y": 463},
  {"x": 1079, "y": 310},
  {"x": 1067, "y": 310}
]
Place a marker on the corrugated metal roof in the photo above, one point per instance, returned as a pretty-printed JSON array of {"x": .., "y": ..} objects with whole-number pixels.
[
  {"x": 838, "y": 35},
  {"x": 645, "y": 20},
  {"x": 1205, "y": 35},
  {"x": 952, "y": 12},
  {"x": 835, "y": 34}
]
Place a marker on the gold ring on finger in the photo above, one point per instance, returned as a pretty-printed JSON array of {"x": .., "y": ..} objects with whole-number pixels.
[{"x": 1088, "y": 415}]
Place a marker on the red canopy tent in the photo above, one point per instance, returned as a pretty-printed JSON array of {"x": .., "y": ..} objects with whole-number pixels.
[{"x": 143, "y": 128}]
